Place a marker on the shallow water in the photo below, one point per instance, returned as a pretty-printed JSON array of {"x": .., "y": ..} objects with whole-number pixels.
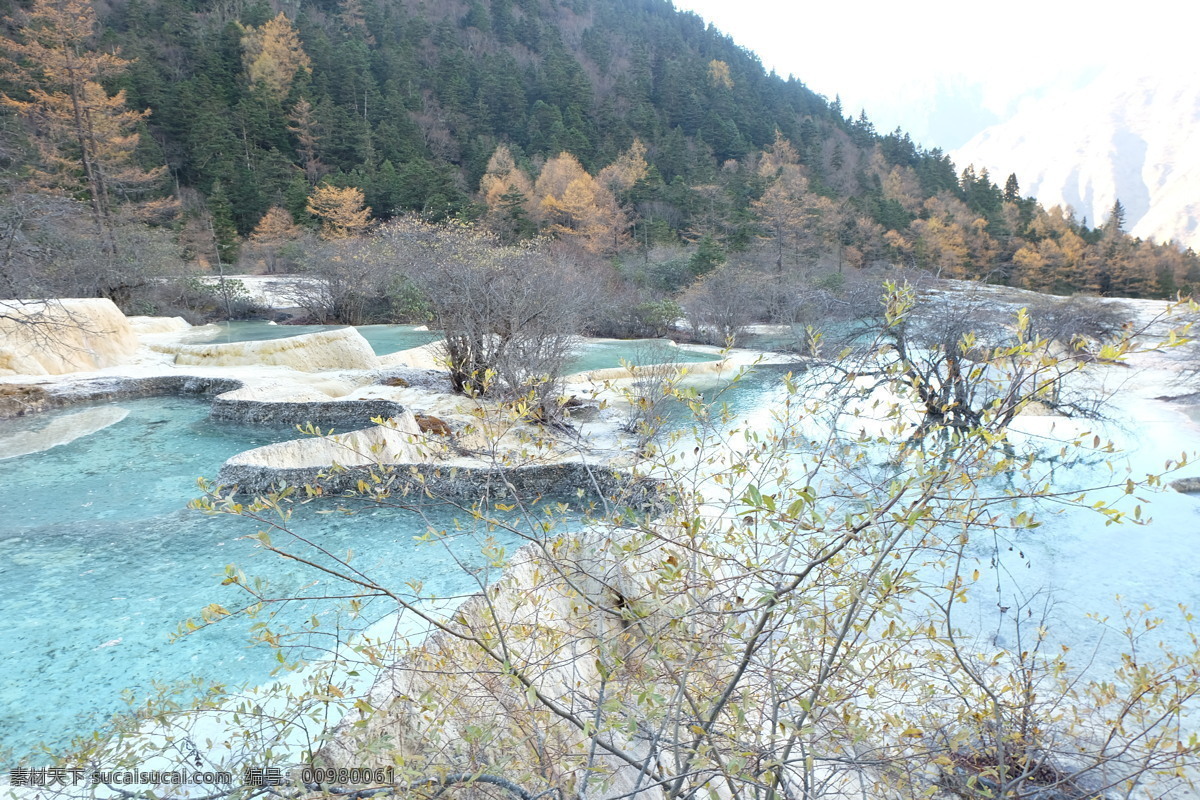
[
  {"x": 1075, "y": 565},
  {"x": 100, "y": 561},
  {"x": 1080, "y": 572},
  {"x": 59, "y": 430},
  {"x": 607, "y": 353},
  {"x": 392, "y": 338},
  {"x": 382, "y": 338}
]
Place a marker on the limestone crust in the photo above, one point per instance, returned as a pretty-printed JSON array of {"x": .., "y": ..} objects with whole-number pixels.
[{"x": 60, "y": 336}]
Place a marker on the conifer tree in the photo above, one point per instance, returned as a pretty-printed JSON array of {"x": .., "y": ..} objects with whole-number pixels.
[
  {"x": 273, "y": 54},
  {"x": 341, "y": 211},
  {"x": 273, "y": 232},
  {"x": 223, "y": 229},
  {"x": 1116, "y": 218},
  {"x": 1012, "y": 189},
  {"x": 85, "y": 137},
  {"x": 302, "y": 124}
]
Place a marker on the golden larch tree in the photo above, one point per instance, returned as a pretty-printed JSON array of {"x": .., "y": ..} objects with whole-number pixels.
[
  {"x": 629, "y": 168},
  {"x": 503, "y": 176},
  {"x": 86, "y": 138},
  {"x": 506, "y": 191},
  {"x": 719, "y": 75},
  {"x": 272, "y": 54},
  {"x": 569, "y": 203},
  {"x": 342, "y": 212},
  {"x": 798, "y": 224},
  {"x": 275, "y": 230},
  {"x": 778, "y": 156}
]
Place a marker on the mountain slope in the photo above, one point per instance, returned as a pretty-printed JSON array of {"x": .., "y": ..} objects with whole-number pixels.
[
  {"x": 1122, "y": 136},
  {"x": 408, "y": 105}
]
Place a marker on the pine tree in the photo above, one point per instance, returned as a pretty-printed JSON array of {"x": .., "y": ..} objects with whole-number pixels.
[
  {"x": 223, "y": 229},
  {"x": 1012, "y": 190},
  {"x": 1116, "y": 217}
]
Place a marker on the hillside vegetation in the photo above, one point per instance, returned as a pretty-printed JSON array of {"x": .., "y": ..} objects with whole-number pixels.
[{"x": 652, "y": 144}]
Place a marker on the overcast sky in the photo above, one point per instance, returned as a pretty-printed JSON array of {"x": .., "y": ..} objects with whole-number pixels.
[{"x": 944, "y": 69}]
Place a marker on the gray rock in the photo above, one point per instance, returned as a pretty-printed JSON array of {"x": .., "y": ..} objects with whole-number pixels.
[
  {"x": 574, "y": 481},
  {"x": 339, "y": 414},
  {"x": 61, "y": 395},
  {"x": 429, "y": 379},
  {"x": 1186, "y": 485}
]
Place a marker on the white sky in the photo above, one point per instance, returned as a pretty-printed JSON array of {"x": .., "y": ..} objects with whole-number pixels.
[{"x": 944, "y": 69}]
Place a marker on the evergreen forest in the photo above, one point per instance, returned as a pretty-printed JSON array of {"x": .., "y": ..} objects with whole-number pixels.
[{"x": 143, "y": 137}]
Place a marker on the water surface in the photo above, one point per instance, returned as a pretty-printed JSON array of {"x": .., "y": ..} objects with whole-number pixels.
[{"x": 100, "y": 561}]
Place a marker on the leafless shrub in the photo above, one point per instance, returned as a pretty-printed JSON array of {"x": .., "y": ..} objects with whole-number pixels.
[
  {"x": 964, "y": 352},
  {"x": 510, "y": 314},
  {"x": 723, "y": 303},
  {"x": 49, "y": 249},
  {"x": 654, "y": 378},
  {"x": 353, "y": 282}
]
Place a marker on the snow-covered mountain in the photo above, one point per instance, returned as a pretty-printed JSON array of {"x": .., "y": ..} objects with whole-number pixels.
[{"x": 1120, "y": 136}]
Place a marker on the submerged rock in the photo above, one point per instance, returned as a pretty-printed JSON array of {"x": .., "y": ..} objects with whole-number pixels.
[
  {"x": 20, "y": 400},
  {"x": 1186, "y": 485},
  {"x": 61, "y": 430},
  {"x": 16, "y": 399}
]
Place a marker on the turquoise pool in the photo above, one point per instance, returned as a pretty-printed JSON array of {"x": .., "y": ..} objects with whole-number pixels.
[
  {"x": 384, "y": 339},
  {"x": 100, "y": 560}
]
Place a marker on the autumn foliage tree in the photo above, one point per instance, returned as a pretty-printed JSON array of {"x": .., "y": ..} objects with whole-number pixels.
[
  {"x": 624, "y": 173},
  {"x": 271, "y": 236},
  {"x": 571, "y": 204},
  {"x": 86, "y": 138},
  {"x": 506, "y": 190},
  {"x": 272, "y": 55},
  {"x": 1054, "y": 259},
  {"x": 342, "y": 212}
]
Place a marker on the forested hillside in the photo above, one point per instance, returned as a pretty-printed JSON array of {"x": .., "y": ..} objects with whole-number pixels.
[{"x": 650, "y": 142}]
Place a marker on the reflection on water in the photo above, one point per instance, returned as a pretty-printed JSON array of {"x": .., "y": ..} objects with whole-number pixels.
[
  {"x": 59, "y": 430},
  {"x": 1073, "y": 564}
]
